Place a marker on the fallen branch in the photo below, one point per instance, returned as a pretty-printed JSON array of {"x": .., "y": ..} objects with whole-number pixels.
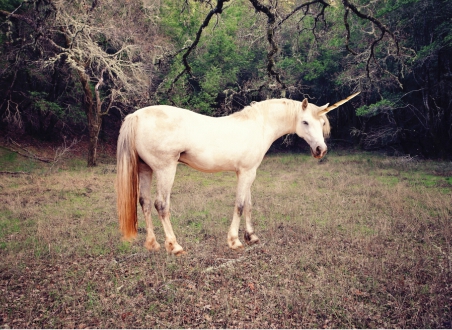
[
  {"x": 13, "y": 173},
  {"x": 233, "y": 261},
  {"x": 29, "y": 155}
]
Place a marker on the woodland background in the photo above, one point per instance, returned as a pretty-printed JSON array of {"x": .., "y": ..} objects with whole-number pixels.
[
  {"x": 358, "y": 241},
  {"x": 71, "y": 70}
]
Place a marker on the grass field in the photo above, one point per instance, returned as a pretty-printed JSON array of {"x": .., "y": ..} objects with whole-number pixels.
[{"x": 358, "y": 240}]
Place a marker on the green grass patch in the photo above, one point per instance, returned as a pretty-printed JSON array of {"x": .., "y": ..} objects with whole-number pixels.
[
  {"x": 124, "y": 247},
  {"x": 388, "y": 180},
  {"x": 9, "y": 224},
  {"x": 13, "y": 162}
]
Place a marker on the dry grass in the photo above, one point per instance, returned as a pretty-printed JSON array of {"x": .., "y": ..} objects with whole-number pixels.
[{"x": 358, "y": 240}]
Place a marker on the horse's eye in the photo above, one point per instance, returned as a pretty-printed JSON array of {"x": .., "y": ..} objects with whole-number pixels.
[{"x": 306, "y": 123}]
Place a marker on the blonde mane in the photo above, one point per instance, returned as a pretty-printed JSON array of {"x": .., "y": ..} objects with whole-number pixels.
[
  {"x": 292, "y": 110},
  {"x": 249, "y": 112},
  {"x": 326, "y": 127}
]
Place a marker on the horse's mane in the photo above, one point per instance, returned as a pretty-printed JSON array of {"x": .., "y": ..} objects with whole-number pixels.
[
  {"x": 258, "y": 108},
  {"x": 292, "y": 109},
  {"x": 326, "y": 127},
  {"x": 248, "y": 112}
]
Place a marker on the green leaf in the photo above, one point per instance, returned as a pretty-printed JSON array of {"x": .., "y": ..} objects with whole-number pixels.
[{"x": 376, "y": 108}]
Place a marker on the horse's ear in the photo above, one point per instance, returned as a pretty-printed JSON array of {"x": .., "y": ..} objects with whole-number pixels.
[{"x": 304, "y": 104}]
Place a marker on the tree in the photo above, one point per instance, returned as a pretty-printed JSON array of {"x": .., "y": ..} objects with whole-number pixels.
[
  {"x": 105, "y": 47},
  {"x": 219, "y": 62}
]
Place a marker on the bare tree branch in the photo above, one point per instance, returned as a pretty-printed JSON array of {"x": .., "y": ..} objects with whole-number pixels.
[
  {"x": 8, "y": 15},
  {"x": 187, "y": 69},
  {"x": 347, "y": 27},
  {"x": 272, "y": 25},
  {"x": 306, "y": 7},
  {"x": 269, "y": 11},
  {"x": 384, "y": 30},
  {"x": 61, "y": 151}
]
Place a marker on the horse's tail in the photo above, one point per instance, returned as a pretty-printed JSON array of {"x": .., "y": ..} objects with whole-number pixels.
[{"x": 127, "y": 178}]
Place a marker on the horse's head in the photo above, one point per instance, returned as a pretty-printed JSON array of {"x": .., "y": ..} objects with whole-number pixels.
[{"x": 313, "y": 125}]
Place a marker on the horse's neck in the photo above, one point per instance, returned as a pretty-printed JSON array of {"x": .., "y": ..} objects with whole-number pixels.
[{"x": 280, "y": 118}]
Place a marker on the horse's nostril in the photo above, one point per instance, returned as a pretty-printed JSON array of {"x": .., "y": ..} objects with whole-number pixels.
[{"x": 318, "y": 151}]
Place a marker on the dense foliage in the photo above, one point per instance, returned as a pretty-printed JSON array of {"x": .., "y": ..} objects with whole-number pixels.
[{"x": 73, "y": 70}]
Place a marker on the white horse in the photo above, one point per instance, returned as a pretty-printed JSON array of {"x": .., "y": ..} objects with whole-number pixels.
[{"x": 153, "y": 140}]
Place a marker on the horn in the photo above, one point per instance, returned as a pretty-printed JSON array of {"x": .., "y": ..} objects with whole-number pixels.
[{"x": 337, "y": 104}]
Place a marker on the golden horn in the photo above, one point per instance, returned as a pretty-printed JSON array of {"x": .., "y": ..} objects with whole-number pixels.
[{"x": 337, "y": 104}]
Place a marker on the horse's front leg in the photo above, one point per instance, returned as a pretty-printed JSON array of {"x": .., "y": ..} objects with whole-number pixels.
[
  {"x": 250, "y": 236},
  {"x": 242, "y": 204}
]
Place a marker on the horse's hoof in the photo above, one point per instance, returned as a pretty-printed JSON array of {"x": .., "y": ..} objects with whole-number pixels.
[
  {"x": 174, "y": 248},
  {"x": 152, "y": 245},
  {"x": 238, "y": 248},
  {"x": 179, "y": 253},
  {"x": 251, "y": 238},
  {"x": 235, "y": 245}
]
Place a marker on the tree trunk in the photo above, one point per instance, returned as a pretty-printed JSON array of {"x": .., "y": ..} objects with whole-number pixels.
[
  {"x": 94, "y": 120},
  {"x": 93, "y": 139}
]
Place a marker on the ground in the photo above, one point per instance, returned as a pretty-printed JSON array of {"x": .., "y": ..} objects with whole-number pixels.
[{"x": 357, "y": 240}]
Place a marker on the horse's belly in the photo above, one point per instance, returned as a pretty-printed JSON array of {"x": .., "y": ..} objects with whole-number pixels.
[{"x": 207, "y": 163}]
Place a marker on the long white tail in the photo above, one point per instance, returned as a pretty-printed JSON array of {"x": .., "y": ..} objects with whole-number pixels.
[{"x": 127, "y": 178}]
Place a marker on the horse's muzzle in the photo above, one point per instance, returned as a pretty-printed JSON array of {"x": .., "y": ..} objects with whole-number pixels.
[{"x": 318, "y": 153}]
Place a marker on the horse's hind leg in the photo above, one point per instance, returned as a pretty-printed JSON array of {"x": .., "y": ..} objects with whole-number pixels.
[
  {"x": 165, "y": 179},
  {"x": 145, "y": 179}
]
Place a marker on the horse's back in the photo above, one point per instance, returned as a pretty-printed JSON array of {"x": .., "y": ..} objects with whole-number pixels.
[
  {"x": 170, "y": 122},
  {"x": 165, "y": 113}
]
